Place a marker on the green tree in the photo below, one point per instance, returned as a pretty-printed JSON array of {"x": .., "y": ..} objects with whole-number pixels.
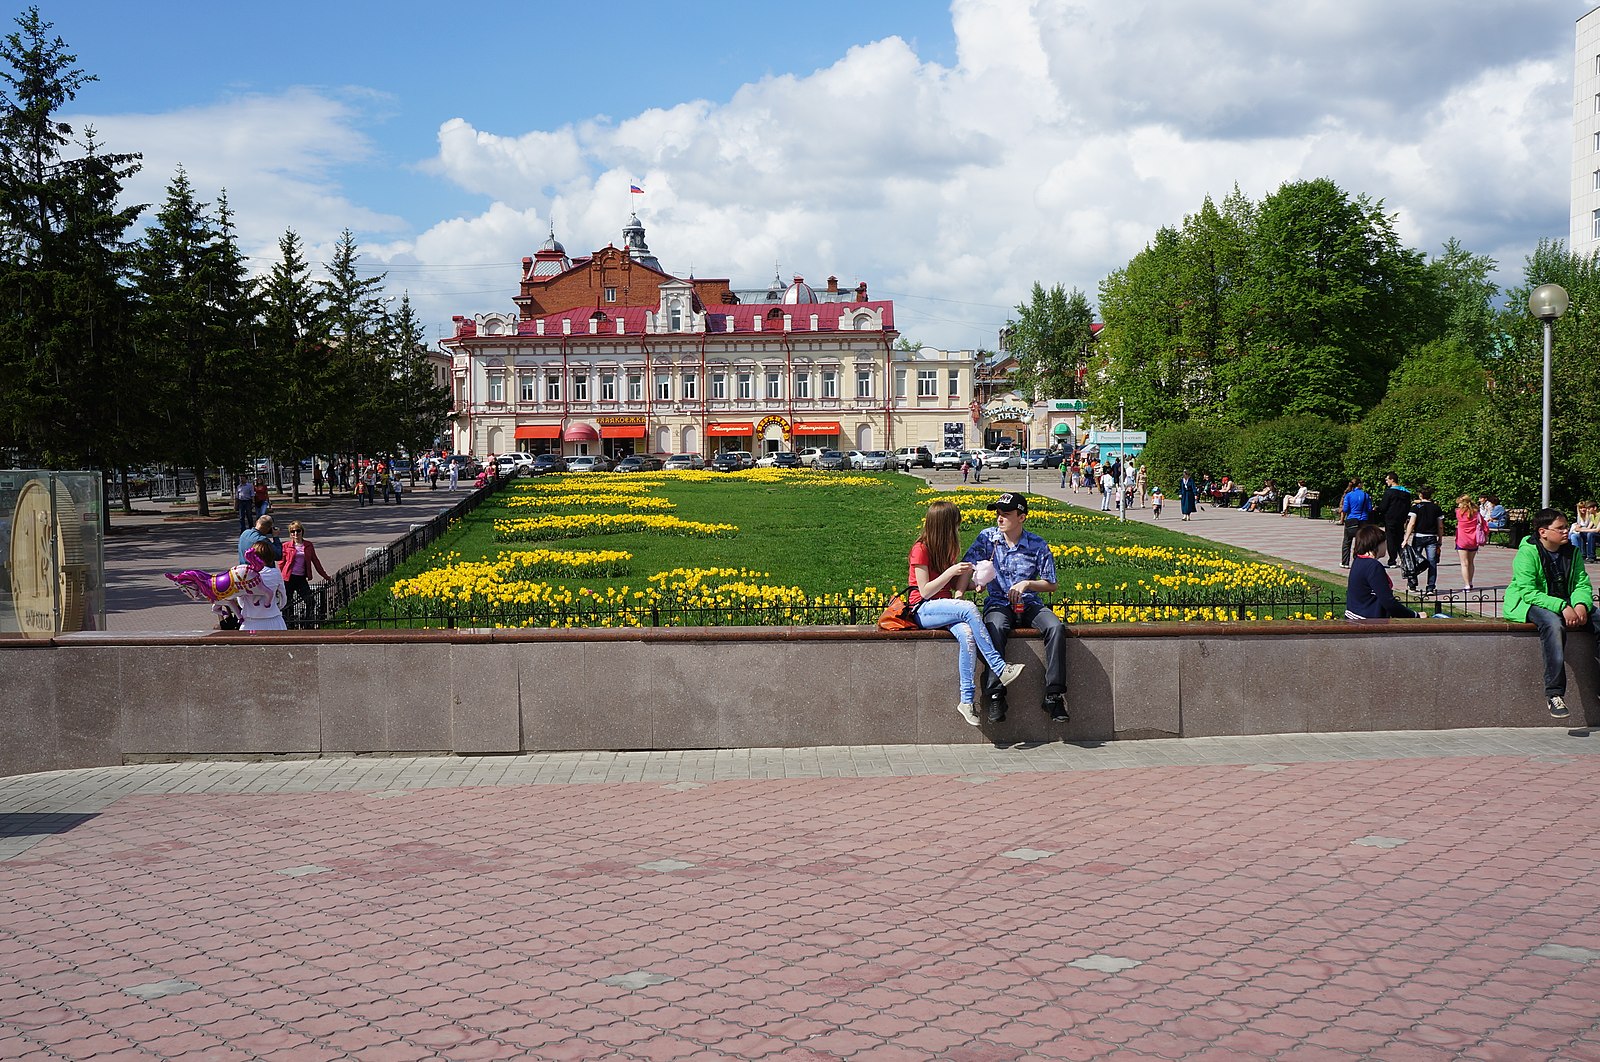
[
  {"x": 1289, "y": 449},
  {"x": 421, "y": 403},
  {"x": 65, "y": 352},
  {"x": 295, "y": 344},
  {"x": 1050, "y": 338},
  {"x": 363, "y": 420}
]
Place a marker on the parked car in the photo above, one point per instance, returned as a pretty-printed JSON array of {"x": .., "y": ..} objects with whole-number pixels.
[
  {"x": 684, "y": 462},
  {"x": 544, "y": 463},
  {"x": 874, "y": 461},
  {"x": 589, "y": 463},
  {"x": 1041, "y": 459},
  {"x": 638, "y": 463},
  {"x": 909, "y": 457},
  {"x": 853, "y": 457},
  {"x": 809, "y": 455},
  {"x": 831, "y": 461},
  {"x": 785, "y": 459},
  {"x": 949, "y": 458},
  {"x": 506, "y": 465},
  {"x": 727, "y": 461},
  {"x": 523, "y": 460}
]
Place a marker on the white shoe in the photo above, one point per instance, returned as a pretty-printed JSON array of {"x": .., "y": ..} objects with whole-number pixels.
[
  {"x": 965, "y": 708},
  {"x": 1010, "y": 673}
]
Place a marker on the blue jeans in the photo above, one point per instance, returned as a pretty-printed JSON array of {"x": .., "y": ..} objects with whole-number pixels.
[
  {"x": 1586, "y": 544},
  {"x": 1553, "y": 641},
  {"x": 1429, "y": 545},
  {"x": 961, "y": 619}
]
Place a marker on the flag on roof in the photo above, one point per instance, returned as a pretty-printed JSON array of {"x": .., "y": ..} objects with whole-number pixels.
[{"x": 635, "y": 189}]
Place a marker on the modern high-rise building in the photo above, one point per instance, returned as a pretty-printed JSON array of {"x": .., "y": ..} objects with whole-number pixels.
[{"x": 1585, "y": 232}]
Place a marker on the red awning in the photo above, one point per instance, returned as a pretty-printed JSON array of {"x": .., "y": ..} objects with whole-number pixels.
[
  {"x": 745, "y": 428},
  {"x": 622, "y": 431},
  {"x": 815, "y": 427},
  {"x": 539, "y": 431},
  {"x": 579, "y": 433}
]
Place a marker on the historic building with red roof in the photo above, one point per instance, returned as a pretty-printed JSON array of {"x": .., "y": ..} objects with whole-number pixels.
[{"x": 609, "y": 353}]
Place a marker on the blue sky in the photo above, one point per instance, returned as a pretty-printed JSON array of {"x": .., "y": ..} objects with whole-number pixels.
[{"x": 947, "y": 155}]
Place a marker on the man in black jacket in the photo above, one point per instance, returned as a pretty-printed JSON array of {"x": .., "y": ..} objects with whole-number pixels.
[{"x": 1393, "y": 510}]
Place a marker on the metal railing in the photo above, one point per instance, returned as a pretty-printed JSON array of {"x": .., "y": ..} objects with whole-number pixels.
[{"x": 666, "y": 611}]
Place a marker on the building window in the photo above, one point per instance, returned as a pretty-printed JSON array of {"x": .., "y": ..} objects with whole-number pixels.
[
  {"x": 899, "y": 383},
  {"x": 747, "y": 386},
  {"x": 802, "y": 385},
  {"x": 675, "y": 315},
  {"x": 774, "y": 385},
  {"x": 830, "y": 383},
  {"x": 719, "y": 386},
  {"x": 552, "y": 387},
  {"x": 528, "y": 388},
  {"x": 663, "y": 387},
  {"x": 955, "y": 384},
  {"x": 863, "y": 383},
  {"x": 1596, "y": 217},
  {"x": 927, "y": 383},
  {"x": 497, "y": 388},
  {"x": 691, "y": 387},
  {"x": 635, "y": 387},
  {"x": 611, "y": 294},
  {"x": 608, "y": 387},
  {"x": 580, "y": 388},
  {"x": 1597, "y": 141}
]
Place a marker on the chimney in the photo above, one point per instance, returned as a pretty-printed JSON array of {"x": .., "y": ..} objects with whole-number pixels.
[{"x": 833, "y": 285}]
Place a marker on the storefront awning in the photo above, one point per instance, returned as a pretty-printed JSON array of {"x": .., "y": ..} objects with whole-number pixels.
[
  {"x": 579, "y": 433},
  {"x": 1063, "y": 429},
  {"x": 539, "y": 431},
  {"x": 622, "y": 431},
  {"x": 815, "y": 427},
  {"x": 731, "y": 428}
]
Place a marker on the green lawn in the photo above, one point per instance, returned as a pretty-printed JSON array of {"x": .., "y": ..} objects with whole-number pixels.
[{"x": 815, "y": 536}]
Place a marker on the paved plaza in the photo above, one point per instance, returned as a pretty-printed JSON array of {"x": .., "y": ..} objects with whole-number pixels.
[
  {"x": 1393, "y": 896},
  {"x": 1314, "y": 896}
]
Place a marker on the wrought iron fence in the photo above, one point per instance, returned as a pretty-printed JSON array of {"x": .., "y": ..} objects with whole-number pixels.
[
  {"x": 666, "y": 611},
  {"x": 322, "y": 609}
]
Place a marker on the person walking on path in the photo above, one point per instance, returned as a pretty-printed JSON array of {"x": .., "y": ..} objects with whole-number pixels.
[
  {"x": 244, "y": 499},
  {"x": 1472, "y": 531},
  {"x": 397, "y": 482},
  {"x": 1024, "y": 569},
  {"x": 936, "y": 607},
  {"x": 1550, "y": 589},
  {"x": 1394, "y": 508},
  {"x": 455, "y": 476},
  {"x": 1355, "y": 509},
  {"x": 1066, "y": 467},
  {"x": 1424, "y": 530},
  {"x": 299, "y": 561},
  {"x": 1188, "y": 495}
]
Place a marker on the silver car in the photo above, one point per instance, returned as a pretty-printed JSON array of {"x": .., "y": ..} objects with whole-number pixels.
[{"x": 874, "y": 461}]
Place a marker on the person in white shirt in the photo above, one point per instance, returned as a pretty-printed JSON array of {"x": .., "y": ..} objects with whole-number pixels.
[{"x": 261, "y": 601}]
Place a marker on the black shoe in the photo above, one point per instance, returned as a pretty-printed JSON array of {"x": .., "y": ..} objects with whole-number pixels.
[
  {"x": 1057, "y": 707},
  {"x": 996, "y": 712}
]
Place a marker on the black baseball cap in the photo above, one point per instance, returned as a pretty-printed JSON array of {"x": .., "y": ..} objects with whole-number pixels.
[{"x": 1011, "y": 500}]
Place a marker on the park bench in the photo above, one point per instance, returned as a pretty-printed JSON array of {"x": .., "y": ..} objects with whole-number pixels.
[{"x": 1312, "y": 506}]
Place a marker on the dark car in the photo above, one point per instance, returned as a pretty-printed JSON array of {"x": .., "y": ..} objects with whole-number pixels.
[
  {"x": 832, "y": 461},
  {"x": 727, "y": 461},
  {"x": 543, "y": 463},
  {"x": 638, "y": 463},
  {"x": 785, "y": 459}
]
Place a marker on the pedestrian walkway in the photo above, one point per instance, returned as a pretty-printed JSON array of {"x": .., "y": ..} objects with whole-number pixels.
[
  {"x": 168, "y": 537},
  {"x": 1416, "y": 896}
]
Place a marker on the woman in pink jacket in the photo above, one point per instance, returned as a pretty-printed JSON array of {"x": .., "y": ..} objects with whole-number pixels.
[
  {"x": 1471, "y": 533},
  {"x": 299, "y": 561}
]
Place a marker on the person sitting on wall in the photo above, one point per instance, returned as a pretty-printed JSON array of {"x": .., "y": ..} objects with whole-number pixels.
[
  {"x": 1369, "y": 593},
  {"x": 1550, "y": 589}
]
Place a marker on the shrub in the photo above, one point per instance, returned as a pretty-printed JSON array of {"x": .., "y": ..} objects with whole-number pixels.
[
  {"x": 1290, "y": 449},
  {"x": 1199, "y": 448}
]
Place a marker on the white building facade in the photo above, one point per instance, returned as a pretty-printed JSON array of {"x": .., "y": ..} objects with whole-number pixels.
[{"x": 1584, "y": 238}]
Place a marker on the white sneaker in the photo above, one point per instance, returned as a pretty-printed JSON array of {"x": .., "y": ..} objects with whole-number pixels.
[
  {"x": 965, "y": 708},
  {"x": 1010, "y": 673},
  {"x": 1558, "y": 707}
]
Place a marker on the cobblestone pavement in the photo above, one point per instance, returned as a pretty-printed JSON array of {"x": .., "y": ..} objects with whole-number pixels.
[{"x": 1386, "y": 896}]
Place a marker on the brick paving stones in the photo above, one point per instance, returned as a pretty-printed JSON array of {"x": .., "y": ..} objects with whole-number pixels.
[{"x": 1081, "y": 903}]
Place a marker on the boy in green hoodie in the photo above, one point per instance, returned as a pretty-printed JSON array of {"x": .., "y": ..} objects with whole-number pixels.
[{"x": 1550, "y": 589}]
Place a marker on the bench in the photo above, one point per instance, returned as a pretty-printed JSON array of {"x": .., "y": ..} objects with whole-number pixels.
[
  {"x": 1514, "y": 532},
  {"x": 1312, "y": 506}
]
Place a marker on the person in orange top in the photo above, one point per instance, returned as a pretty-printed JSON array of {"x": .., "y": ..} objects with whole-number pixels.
[{"x": 299, "y": 561}]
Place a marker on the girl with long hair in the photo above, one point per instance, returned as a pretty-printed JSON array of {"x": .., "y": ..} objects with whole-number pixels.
[
  {"x": 936, "y": 574},
  {"x": 1468, "y": 521}
]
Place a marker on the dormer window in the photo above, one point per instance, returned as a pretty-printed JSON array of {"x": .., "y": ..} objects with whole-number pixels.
[{"x": 611, "y": 294}]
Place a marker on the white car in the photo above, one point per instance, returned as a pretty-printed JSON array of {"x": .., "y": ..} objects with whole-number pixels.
[
  {"x": 853, "y": 457},
  {"x": 810, "y": 455},
  {"x": 994, "y": 458},
  {"x": 949, "y": 458}
]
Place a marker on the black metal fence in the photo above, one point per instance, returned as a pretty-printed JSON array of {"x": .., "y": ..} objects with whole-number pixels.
[
  {"x": 327, "y": 599},
  {"x": 666, "y": 611}
]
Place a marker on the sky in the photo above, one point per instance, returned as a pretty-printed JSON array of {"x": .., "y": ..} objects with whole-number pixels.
[{"x": 947, "y": 156}]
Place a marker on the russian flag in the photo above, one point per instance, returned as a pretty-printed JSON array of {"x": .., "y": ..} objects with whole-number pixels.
[{"x": 635, "y": 189}]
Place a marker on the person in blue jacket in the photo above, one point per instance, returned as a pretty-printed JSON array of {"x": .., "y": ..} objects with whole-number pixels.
[
  {"x": 1355, "y": 511},
  {"x": 1369, "y": 593}
]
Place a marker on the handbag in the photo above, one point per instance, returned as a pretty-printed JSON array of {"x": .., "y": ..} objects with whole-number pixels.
[
  {"x": 1413, "y": 561},
  {"x": 899, "y": 615},
  {"x": 1480, "y": 533}
]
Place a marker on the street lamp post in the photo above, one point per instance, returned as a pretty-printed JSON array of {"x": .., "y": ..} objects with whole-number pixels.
[
  {"x": 1548, "y": 302},
  {"x": 1122, "y": 463}
]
